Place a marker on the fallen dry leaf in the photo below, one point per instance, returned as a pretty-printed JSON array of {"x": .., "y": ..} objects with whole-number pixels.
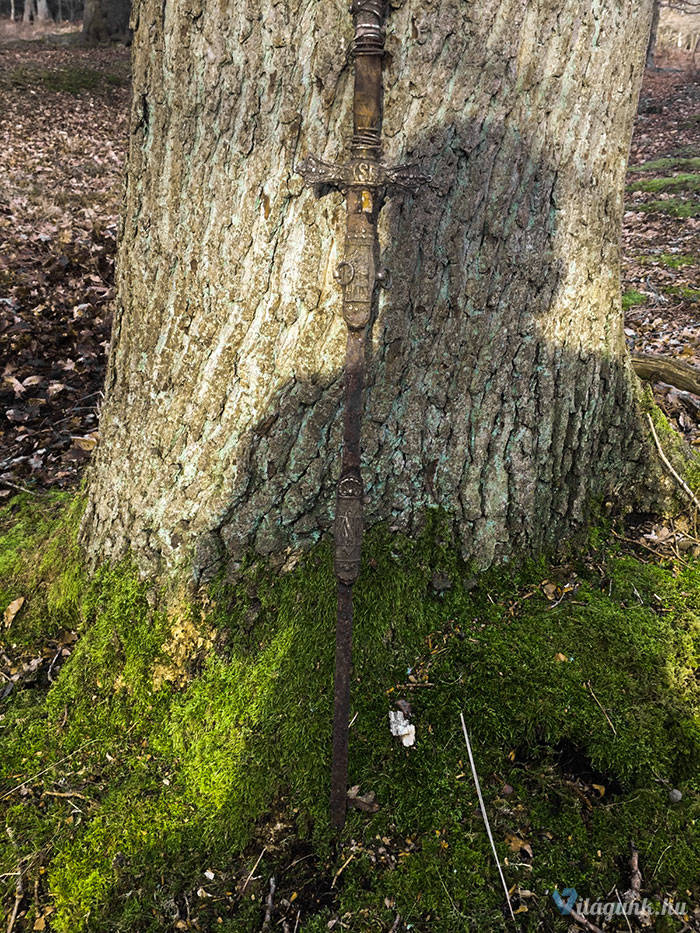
[
  {"x": 85, "y": 443},
  {"x": 364, "y": 802},
  {"x": 516, "y": 844},
  {"x": 12, "y": 610}
]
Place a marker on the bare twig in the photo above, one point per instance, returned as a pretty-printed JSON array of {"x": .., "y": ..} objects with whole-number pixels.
[
  {"x": 67, "y": 793},
  {"x": 19, "y": 894},
  {"x": 660, "y": 859},
  {"x": 635, "y": 876},
  {"x": 270, "y": 903},
  {"x": 667, "y": 463},
  {"x": 46, "y": 770},
  {"x": 622, "y": 908},
  {"x": 252, "y": 870},
  {"x": 584, "y": 922},
  {"x": 672, "y": 909},
  {"x": 53, "y": 664},
  {"x": 486, "y": 819},
  {"x": 342, "y": 869},
  {"x": 19, "y": 884},
  {"x": 645, "y": 546},
  {"x": 588, "y": 684},
  {"x": 6, "y": 482}
]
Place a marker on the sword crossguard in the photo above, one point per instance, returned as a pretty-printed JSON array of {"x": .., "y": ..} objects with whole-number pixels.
[
  {"x": 407, "y": 177},
  {"x": 360, "y": 173},
  {"x": 318, "y": 172}
]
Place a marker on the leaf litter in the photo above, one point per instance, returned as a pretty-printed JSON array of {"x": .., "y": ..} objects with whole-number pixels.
[{"x": 63, "y": 134}]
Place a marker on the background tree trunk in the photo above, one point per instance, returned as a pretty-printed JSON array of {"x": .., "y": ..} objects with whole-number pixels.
[
  {"x": 43, "y": 14},
  {"x": 106, "y": 20},
  {"x": 499, "y": 385},
  {"x": 651, "y": 45}
]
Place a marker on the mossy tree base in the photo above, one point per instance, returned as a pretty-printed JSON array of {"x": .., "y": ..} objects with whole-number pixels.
[{"x": 184, "y": 739}]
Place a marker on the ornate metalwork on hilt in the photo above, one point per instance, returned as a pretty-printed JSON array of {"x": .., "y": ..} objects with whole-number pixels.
[
  {"x": 348, "y": 527},
  {"x": 364, "y": 180},
  {"x": 369, "y": 27},
  {"x": 361, "y": 173}
]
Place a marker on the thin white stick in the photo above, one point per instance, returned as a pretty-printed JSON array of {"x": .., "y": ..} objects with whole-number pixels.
[
  {"x": 46, "y": 770},
  {"x": 679, "y": 479},
  {"x": 588, "y": 684},
  {"x": 627, "y": 919},
  {"x": 252, "y": 870},
  {"x": 486, "y": 819}
]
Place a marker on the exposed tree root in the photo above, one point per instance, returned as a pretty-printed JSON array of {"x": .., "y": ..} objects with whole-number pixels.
[{"x": 666, "y": 369}]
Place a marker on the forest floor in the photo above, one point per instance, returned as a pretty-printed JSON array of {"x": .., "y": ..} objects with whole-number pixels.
[
  {"x": 63, "y": 131},
  {"x": 661, "y": 232},
  {"x": 166, "y": 770}
]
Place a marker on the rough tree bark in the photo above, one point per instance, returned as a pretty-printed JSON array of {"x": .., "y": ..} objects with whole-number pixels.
[
  {"x": 499, "y": 385},
  {"x": 106, "y": 20}
]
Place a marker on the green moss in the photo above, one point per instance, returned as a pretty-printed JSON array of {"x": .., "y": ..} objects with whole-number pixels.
[
  {"x": 682, "y": 182},
  {"x": 684, "y": 459},
  {"x": 670, "y": 164},
  {"x": 669, "y": 260},
  {"x": 632, "y": 298},
  {"x": 69, "y": 79},
  {"x": 194, "y": 732},
  {"x": 683, "y": 291},
  {"x": 39, "y": 561},
  {"x": 675, "y": 207}
]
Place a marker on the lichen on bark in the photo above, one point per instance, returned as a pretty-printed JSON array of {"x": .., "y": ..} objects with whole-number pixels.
[{"x": 499, "y": 386}]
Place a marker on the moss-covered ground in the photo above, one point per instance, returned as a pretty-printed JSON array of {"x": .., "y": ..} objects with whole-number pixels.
[
  {"x": 153, "y": 749},
  {"x": 685, "y": 181},
  {"x": 677, "y": 181},
  {"x": 632, "y": 298},
  {"x": 75, "y": 79},
  {"x": 668, "y": 164},
  {"x": 674, "y": 207}
]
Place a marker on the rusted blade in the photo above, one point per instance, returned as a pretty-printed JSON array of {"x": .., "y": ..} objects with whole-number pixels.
[{"x": 341, "y": 706}]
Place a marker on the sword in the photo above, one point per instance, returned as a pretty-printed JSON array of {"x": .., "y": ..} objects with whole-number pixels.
[{"x": 365, "y": 180}]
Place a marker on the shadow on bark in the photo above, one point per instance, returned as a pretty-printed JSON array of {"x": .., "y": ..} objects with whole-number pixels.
[{"x": 495, "y": 389}]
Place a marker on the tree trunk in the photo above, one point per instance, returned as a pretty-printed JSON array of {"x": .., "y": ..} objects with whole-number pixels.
[
  {"x": 106, "y": 21},
  {"x": 43, "y": 13},
  {"x": 29, "y": 10},
  {"x": 651, "y": 45},
  {"x": 499, "y": 386}
]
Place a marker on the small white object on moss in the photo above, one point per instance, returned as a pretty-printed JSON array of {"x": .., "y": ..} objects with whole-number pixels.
[{"x": 401, "y": 727}]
